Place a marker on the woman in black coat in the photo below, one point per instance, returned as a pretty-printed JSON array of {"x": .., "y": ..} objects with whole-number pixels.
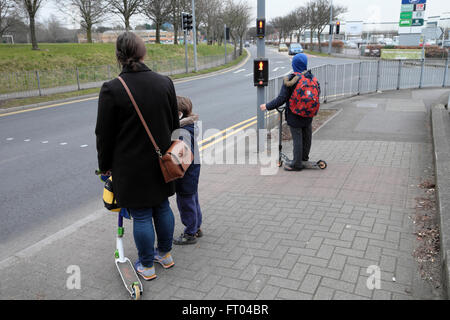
[{"x": 124, "y": 148}]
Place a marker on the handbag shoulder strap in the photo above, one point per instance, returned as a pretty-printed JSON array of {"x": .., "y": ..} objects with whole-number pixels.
[{"x": 138, "y": 111}]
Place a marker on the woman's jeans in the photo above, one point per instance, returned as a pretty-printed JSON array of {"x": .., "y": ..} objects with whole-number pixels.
[
  {"x": 190, "y": 213},
  {"x": 144, "y": 234},
  {"x": 302, "y": 145}
]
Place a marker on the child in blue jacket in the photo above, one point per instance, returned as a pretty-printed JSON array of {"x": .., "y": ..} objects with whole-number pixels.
[{"x": 187, "y": 187}]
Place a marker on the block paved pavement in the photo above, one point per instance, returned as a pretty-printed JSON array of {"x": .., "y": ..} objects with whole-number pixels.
[{"x": 293, "y": 235}]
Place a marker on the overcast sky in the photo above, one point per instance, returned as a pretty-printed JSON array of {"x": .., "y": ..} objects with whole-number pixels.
[{"x": 357, "y": 10}]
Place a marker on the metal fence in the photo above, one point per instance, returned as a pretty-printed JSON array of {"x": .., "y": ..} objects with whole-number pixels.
[
  {"x": 44, "y": 82},
  {"x": 347, "y": 80}
]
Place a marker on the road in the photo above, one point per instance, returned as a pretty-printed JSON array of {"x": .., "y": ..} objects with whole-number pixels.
[{"x": 48, "y": 156}]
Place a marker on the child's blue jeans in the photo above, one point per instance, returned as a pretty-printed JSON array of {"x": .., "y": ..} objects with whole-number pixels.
[{"x": 190, "y": 213}]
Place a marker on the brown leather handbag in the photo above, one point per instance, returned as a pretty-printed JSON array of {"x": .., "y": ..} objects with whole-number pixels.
[{"x": 177, "y": 159}]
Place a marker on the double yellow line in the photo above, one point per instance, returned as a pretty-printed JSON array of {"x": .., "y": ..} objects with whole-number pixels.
[{"x": 228, "y": 132}]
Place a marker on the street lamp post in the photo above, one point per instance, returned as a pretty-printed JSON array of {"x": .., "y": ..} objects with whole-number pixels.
[{"x": 195, "y": 36}]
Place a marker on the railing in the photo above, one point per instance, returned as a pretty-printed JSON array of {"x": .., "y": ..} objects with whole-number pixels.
[
  {"x": 347, "y": 80},
  {"x": 43, "y": 82}
]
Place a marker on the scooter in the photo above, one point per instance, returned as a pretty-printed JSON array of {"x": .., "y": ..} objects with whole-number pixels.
[
  {"x": 321, "y": 164},
  {"x": 124, "y": 266}
]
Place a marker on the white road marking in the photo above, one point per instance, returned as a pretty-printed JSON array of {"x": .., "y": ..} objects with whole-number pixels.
[
  {"x": 44, "y": 142},
  {"x": 9, "y": 139},
  {"x": 83, "y": 146},
  {"x": 27, "y": 140},
  {"x": 63, "y": 143},
  {"x": 248, "y": 75},
  {"x": 276, "y": 69},
  {"x": 242, "y": 70}
]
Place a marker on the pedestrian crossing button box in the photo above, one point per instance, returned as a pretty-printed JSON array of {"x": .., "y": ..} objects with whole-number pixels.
[{"x": 261, "y": 72}]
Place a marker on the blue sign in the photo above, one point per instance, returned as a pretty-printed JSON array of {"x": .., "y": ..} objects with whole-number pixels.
[{"x": 413, "y": 1}]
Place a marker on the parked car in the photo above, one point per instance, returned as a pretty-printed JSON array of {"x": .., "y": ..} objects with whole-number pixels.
[
  {"x": 247, "y": 44},
  {"x": 351, "y": 44},
  {"x": 295, "y": 48},
  {"x": 282, "y": 47}
]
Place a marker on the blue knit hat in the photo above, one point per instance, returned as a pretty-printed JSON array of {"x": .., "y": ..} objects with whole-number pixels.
[{"x": 300, "y": 62}]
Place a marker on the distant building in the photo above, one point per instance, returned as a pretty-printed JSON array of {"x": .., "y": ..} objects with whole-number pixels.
[{"x": 149, "y": 36}]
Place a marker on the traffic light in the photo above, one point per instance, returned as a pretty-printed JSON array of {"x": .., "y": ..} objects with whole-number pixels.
[
  {"x": 261, "y": 72},
  {"x": 186, "y": 23},
  {"x": 260, "y": 28},
  {"x": 338, "y": 24},
  {"x": 183, "y": 20},
  {"x": 331, "y": 29},
  {"x": 189, "y": 22}
]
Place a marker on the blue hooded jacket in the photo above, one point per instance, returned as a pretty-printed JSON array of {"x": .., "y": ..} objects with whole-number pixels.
[{"x": 300, "y": 65}]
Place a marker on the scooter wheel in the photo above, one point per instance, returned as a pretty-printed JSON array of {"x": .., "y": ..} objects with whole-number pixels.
[
  {"x": 136, "y": 292},
  {"x": 322, "y": 164}
]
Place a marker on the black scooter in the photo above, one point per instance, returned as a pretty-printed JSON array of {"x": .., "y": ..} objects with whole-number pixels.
[{"x": 321, "y": 164}]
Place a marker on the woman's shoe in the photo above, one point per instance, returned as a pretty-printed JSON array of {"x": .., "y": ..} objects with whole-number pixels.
[
  {"x": 166, "y": 261},
  {"x": 184, "y": 239},
  {"x": 146, "y": 273}
]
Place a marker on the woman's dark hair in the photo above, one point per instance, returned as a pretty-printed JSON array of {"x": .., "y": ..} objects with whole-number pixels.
[{"x": 130, "y": 49}]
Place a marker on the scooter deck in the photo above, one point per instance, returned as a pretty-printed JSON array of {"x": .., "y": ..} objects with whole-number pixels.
[
  {"x": 129, "y": 277},
  {"x": 314, "y": 165}
]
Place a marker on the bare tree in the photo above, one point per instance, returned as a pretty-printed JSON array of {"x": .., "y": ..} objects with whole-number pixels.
[
  {"x": 209, "y": 16},
  {"x": 6, "y": 8},
  {"x": 158, "y": 11},
  {"x": 301, "y": 21},
  {"x": 88, "y": 12},
  {"x": 31, "y": 7},
  {"x": 318, "y": 12},
  {"x": 176, "y": 8},
  {"x": 125, "y": 9},
  {"x": 242, "y": 22}
]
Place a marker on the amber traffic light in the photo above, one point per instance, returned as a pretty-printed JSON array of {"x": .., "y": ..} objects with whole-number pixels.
[
  {"x": 260, "y": 28},
  {"x": 261, "y": 72}
]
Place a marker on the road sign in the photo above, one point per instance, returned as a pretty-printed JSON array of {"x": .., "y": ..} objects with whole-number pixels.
[
  {"x": 417, "y": 22},
  {"x": 432, "y": 33}
]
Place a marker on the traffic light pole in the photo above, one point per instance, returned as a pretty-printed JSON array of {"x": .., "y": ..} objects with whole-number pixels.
[
  {"x": 195, "y": 36},
  {"x": 330, "y": 39},
  {"x": 260, "y": 99},
  {"x": 225, "y": 41},
  {"x": 186, "y": 51}
]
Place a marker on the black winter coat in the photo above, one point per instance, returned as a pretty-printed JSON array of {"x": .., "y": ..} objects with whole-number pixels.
[{"x": 123, "y": 145}]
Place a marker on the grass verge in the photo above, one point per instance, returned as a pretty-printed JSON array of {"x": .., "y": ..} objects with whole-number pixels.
[
  {"x": 10, "y": 103},
  {"x": 315, "y": 53},
  {"x": 205, "y": 71}
]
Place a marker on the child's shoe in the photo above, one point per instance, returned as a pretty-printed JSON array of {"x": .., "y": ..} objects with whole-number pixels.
[{"x": 184, "y": 239}]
